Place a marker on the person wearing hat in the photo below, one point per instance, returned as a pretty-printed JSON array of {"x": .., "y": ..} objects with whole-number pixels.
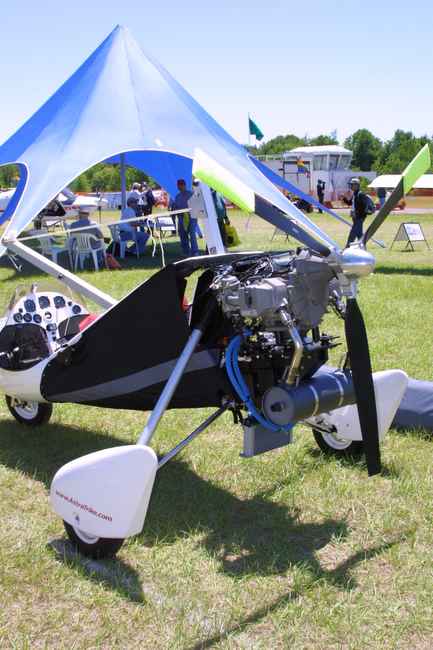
[
  {"x": 186, "y": 225},
  {"x": 147, "y": 199},
  {"x": 358, "y": 210},
  {"x": 320, "y": 192},
  {"x": 127, "y": 230}
]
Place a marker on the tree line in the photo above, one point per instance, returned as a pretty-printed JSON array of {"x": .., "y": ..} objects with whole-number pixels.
[{"x": 369, "y": 153}]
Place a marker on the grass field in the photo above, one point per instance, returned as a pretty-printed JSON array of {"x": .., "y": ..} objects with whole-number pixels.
[{"x": 290, "y": 549}]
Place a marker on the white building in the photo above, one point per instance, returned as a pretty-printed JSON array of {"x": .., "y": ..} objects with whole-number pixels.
[{"x": 304, "y": 166}]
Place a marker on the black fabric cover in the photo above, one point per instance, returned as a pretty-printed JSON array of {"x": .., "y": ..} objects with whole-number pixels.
[
  {"x": 416, "y": 408},
  {"x": 145, "y": 329}
]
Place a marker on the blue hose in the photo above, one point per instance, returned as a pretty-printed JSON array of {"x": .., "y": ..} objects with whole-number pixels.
[{"x": 241, "y": 388}]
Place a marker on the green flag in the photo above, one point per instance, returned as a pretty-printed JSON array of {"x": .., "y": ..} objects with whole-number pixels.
[{"x": 254, "y": 129}]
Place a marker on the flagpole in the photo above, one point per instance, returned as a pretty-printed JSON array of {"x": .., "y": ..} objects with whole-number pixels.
[{"x": 249, "y": 134}]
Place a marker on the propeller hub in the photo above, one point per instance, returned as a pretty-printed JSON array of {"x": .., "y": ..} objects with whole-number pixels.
[{"x": 356, "y": 262}]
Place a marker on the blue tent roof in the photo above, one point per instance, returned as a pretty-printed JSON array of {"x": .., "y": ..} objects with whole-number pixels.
[{"x": 123, "y": 101}]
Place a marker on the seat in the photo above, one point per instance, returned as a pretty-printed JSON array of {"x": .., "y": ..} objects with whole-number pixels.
[
  {"x": 50, "y": 249},
  {"x": 115, "y": 231},
  {"x": 81, "y": 247}
]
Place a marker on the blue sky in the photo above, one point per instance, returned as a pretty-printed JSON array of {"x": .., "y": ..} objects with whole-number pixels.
[{"x": 298, "y": 67}]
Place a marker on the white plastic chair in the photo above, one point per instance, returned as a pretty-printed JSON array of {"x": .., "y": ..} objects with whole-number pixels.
[
  {"x": 50, "y": 249},
  {"x": 81, "y": 247},
  {"x": 115, "y": 230}
]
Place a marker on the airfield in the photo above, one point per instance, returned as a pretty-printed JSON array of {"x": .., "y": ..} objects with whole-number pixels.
[{"x": 288, "y": 549}]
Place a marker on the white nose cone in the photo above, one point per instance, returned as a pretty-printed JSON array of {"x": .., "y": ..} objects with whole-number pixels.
[
  {"x": 389, "y": 388},
  {"x": 106, "y": 494},
  {"x": 356, "y": 262}
]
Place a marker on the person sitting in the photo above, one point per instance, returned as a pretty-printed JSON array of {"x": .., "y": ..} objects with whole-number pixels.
[
  {"x": 128, "y": 231},
  {"x": 91, "y": 228},
  {"x": 135, "y": 194}
]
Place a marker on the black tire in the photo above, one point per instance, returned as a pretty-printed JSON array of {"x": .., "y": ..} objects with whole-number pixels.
[
  {"x": 332, "y": 445},
  {"x": 32, "y": 414},
  {"x": 97, "y": 548}
]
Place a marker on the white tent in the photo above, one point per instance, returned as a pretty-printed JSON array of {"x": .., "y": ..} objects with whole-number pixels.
[
  {"x": 122, "y": 104},
  {"x": 390, "y": 181}
]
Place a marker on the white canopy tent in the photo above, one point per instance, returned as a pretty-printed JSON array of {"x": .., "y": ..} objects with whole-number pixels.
[
  {"x": 122, "y": 105},
  {"x": 389, "y": 181}
]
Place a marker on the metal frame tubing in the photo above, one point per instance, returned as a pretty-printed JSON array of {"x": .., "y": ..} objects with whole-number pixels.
[
  {"x": 58, "y": 272},
  {"x": 170, "y": 387},
  {"x": 204, "y": 425}
]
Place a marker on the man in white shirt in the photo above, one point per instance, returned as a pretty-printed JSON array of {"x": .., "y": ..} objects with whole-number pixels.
[
  {"x": 83, "y": 221},
  {"x": 127, "y": 230}
]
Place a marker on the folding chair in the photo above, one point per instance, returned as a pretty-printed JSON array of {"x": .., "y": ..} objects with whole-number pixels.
[
  {"x": 115, "y": 231},
  {"x": 50, "y": 249},
  {"x": 81, "y": 247}
]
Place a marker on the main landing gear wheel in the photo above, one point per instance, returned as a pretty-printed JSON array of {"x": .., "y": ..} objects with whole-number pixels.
[
  {"x": 32, "y": 414},
  {"x": 97, "y": 548},
  {"x": 332, "y": 444}
]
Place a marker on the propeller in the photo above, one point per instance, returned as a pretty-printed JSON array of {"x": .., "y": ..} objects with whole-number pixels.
[
  {"x": 362, "y": 377},
  {"x": 356, "y": 263},
  {"x": 418, "y": 166}
]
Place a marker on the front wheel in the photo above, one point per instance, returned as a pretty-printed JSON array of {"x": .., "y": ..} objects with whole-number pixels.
[
  {"x": 333, "y": 444},
  {"x": 97, "y": 548},
  {"x": 32, "y": 414}
]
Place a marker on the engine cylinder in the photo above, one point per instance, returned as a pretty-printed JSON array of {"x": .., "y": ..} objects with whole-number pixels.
[{"x": 284, "y": 405}]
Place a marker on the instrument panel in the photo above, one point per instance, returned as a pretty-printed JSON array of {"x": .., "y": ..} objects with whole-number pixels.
[{"x": 48, "y": 310}]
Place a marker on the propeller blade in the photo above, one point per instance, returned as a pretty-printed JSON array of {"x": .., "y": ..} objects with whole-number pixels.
[
  {"x": 362, "y": 377},
  {"x": 416, "y": 168}
]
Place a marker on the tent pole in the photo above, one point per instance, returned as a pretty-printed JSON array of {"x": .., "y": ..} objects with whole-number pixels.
[
  {"x": 123, "y": 180},
  {"x": 58, "y": 272},
  {"x": 209, "y": 221}
]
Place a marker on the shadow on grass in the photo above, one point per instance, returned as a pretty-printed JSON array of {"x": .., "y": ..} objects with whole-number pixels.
[
  {"x": 418, "y": 433},
  {"x": 246, "y": 536},
  {"x": 404, "y": 270},
  {"x": 291, "y": 596},
  {"x": 39, "y": 452},
  {"x": 111, "y": 574},
  {"x": 388, "y": 470}
]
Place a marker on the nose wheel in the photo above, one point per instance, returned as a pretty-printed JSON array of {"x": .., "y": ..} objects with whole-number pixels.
[
  {"x": 331, "y": 444},
  {"x": 32, "y": 414},
  {"x": 90, "y": 545}
]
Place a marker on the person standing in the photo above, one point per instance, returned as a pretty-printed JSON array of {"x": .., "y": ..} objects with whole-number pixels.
[
  {"x": 358, "y": 210},
  {"x": 147, "y": 199},
  {"x": 186, "y": 225},
  {"x": 381, "y": 195},
  {"x": 321, "y": 192}
]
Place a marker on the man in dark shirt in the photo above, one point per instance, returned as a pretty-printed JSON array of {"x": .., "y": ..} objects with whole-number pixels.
[
  {"x": 186, "y": 224},
  {"x": 320, "y": 192},
  {"x": 381, "y": 195},
  {"x": 358, "y": 210}
]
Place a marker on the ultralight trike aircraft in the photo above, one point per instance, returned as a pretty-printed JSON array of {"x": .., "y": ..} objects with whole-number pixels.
[{"x": 250, "y": 343}]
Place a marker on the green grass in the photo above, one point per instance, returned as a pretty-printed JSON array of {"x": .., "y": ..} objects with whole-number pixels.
[{"x": 290, "y": 549}]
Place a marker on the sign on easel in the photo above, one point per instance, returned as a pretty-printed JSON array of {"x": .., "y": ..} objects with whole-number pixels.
[{"x": 410, "y": 232}]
